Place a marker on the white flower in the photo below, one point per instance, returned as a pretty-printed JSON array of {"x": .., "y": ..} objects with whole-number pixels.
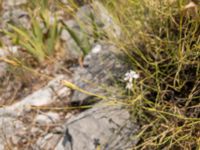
[
  {"x": 129, "y": 76},
  {"x": 97, "y": 48},
  {"x": 136, "y": 76},
  {"x": 129, "y": 85}
]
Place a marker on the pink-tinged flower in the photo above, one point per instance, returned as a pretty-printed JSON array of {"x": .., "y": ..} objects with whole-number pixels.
[{"x": 129, "y": 76}]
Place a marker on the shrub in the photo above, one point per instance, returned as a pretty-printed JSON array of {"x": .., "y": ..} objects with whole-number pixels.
[{"x": 163, "y": 46}]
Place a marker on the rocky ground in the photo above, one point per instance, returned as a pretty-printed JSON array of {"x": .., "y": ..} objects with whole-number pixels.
[{"x": 42, "y": 113}]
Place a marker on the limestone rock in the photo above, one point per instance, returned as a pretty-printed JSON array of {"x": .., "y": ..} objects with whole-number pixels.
[
  {"x": 10, "y": 123},
  {"x": 48, "y": 142},
  {"x": 10, "y": 127},
  {"x": 17, "y": 17},
  {"x": 109, "y": 25},
  {"x": 90, "y": 24},
  {"x": 11, "y": 3},
  {"x": 96, "y": 13},
  {"x": 42, "y": 97},
  {"x": 47, "y": 118},
  {"x": 73, "y": 50},
  {"x": 101, "y": 69},
  {"x": 3, "y": 67},
  {"x": 3, "y": 53},
  {"x": 108, "y": 127}
]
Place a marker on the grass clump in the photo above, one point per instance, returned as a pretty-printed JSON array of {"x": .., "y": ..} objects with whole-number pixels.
[
  {"x": 162, "y": 42},
  {"x": 41, "y": 38}
]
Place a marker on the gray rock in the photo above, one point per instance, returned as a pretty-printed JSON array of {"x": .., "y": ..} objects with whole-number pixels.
[
  {"x": 9, "y": 128},
  {"x": 47, "y": 118},
  {"x": 4, "y": 52},
  {"x": 104, "y": 125},
  {"x": 90, "y": 23},
  {"x": 73, "y": 50},
  {"x": 11, "y": 3},
  {"x": 17, "y": 17},
  {"x": 65, "y": 1},
  {"x": 96, "y": 13},
  {"x": 44, "y": 96},
  {"x": 48, "y": 142},
  {"x": 84, "y": 14},
  {"x": 105, "y": 18},
  {"x": 10, "y": 124},
  {"x": 101, "y": 69},
  {"x": 3, "y": 67}
]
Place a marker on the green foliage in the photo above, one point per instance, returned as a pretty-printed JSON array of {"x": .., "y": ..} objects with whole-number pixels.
[
  {"x": 162, "y": 43},
  {"x": 83, "y": 44},
  {"x": 40, "y": 39},
  {"x": 41, "y": 4}
]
